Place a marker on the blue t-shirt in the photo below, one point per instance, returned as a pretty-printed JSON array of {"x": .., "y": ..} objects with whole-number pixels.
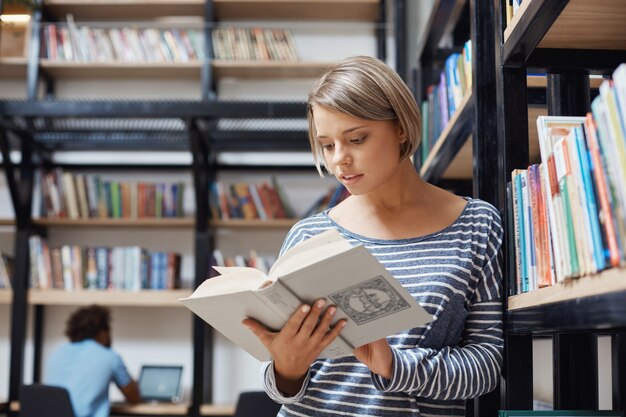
[{"x": 86, "y": 369}]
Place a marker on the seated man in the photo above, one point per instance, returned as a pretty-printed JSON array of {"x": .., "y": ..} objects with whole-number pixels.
[{"x": 87, "y": 365}]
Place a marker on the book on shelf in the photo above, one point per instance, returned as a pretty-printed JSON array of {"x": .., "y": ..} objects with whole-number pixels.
[
  {"x": 444, "y": 98},
  {"x": 572, "y": 209},
  {"x": 71, "y": 42},
  {"x": 325, "y": 266},
  {"x": 62, "y": 194},
  {"x": 254, "y": 44},
  {"x": 330, "y": 199},
  {"x": 131, "y": 268},
  {"x": 241, "y": 200}
]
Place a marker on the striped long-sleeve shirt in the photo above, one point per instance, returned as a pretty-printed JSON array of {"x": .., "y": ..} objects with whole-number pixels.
[{"x": 455, "y": 275}]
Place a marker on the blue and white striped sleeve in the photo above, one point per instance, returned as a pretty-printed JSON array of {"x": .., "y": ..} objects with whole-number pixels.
[{"x": 473, "y": 367}]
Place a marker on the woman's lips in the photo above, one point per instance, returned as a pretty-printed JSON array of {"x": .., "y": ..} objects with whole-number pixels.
[{"x": 351, "y": 179}]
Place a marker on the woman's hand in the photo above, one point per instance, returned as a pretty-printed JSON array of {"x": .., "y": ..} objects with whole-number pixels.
[
  {"x": 298, "y": 343},
  {"x": 377, "y": 356}
]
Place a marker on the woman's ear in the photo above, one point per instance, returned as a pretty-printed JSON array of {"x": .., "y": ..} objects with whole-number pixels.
[{"x": 401, "y": 134}]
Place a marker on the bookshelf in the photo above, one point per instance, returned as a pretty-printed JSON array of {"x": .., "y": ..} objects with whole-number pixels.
[
  {"x": 149, "y": 223},
  {"x": 197, "y": 133},
  {"x": 570, "y": 39},
  {"x": 111, "y": 298},
  {"x": 12, "y": 68}
]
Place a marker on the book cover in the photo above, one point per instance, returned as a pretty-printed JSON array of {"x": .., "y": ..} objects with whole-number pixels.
[{"x": 325, "y": 266}]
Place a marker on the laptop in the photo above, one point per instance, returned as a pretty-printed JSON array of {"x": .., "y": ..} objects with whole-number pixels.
[{"x": 161, "y": 383}]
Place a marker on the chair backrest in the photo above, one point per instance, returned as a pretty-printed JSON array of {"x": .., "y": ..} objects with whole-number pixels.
[
  {"x": 39, "y": 400},
  {"x": 256, "y": 404}
]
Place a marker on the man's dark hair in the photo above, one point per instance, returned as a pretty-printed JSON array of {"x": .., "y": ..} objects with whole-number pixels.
[{"x": 87, "y": 322}]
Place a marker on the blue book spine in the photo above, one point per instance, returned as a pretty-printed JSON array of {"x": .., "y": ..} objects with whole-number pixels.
[
  {"x": 592, "y": 206},
  {"x": 523, "y": 237}
]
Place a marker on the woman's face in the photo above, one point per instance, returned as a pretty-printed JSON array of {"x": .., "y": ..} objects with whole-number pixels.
[{"x": 362, "y": 154}]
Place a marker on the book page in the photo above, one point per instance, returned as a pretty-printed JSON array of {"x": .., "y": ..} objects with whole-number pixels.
[
  {"x": 311, "y": 250},
  {"x": 243, "y": 279}
]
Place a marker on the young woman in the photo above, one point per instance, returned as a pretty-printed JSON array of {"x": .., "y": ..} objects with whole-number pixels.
[{"x": 363, "y": 127}]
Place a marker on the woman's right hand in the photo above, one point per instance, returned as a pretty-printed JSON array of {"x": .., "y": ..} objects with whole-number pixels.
[{"x": 294, "y": 348}]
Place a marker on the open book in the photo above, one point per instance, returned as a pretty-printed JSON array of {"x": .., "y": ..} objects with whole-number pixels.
[{"x": 324, "y": 266}]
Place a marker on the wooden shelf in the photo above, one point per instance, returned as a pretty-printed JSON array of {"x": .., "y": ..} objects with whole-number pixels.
[
  {"x": 541, "y": 81},
  {"x": 121, "y": 70},
  {"x": 123, "y": 9},
  {"x": 6, "y": 296},
  {"x": 346, "y": 10},
  {"x": 269, "y": 69},
  {"x": 216, "y": 410},
  {"x": 585, "y": 24},
  {"x": 7, "y": 222},
  {"x": 150, "y": 409},
  {"x": 143, "y": 298},
  {"x": 13, "y": 68},
  {"x": 608, "y": 281},
  {"x": 140, "y": 222},
  {"x": 254, "y": 224},
  {"x": 569, "y": 25}
]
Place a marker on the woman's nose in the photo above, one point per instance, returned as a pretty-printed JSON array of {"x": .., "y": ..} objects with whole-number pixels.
[{"x": 341, "y": 155}]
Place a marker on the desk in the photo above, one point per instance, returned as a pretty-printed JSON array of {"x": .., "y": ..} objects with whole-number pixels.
[
  {"x": 149, "y": 409},
  {"x": 217, "y": 410}
]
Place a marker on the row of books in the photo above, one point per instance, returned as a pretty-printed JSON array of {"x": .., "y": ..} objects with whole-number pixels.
[
  {"x": 83, "y": 196},
  {"x": 71, "y": 43},
  {"x": 6, "y": 271},
  {"x": 330, "y": 199},
  {"x": 130, "y": 268},
  {"x": 241, "y": 200},
  {"x": 443, "y": 99},
  {"x": 569, "y": 211},
  {"x": 254, "y": 44}
]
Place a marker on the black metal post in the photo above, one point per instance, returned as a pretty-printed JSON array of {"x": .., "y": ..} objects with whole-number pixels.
[
  {"x": 38, "y": 334},
  {"x": 517, "y": 384},
  {"x": 575, "y": 371},
  {"x": 203, "y": 166},
  {"x": 21, "y": 197},
  {"x": 399, "y": 27},
  {"x": 207, "y": 82},
  {"x": 381, "y": 31},
  {"x": 618, "y": 359},
  {"x": 512, "y": 111},
  {"x": 512, "y": 144},
  {"x": 568, "y": 93},
  {"x": 485, "y": 129}
]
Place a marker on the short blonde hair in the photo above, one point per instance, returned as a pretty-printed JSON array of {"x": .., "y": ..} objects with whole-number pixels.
[{"x": 365, "y": 87}]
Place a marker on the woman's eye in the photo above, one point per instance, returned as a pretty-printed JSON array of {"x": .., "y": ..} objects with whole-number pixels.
[
  {"x": 358, "y": 140},
  {"x": 327, "y": 146}
]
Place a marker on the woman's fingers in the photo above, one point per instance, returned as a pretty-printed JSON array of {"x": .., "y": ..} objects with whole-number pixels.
[
  {"x": 292, "y": 327},
  {"x": 311, "y": 321},
  {"x": 263, "y": 333}
]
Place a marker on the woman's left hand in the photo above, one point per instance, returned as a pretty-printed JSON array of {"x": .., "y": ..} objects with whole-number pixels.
[{"x": 377, "y": 356}]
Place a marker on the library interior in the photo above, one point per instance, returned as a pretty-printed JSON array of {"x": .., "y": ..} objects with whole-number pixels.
[{"x": 145, "y": 143}]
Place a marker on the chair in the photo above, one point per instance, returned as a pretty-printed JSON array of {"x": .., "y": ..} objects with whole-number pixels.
[
  {"x": 256, "y": 404},
  {"x": 40, "y": 400}
]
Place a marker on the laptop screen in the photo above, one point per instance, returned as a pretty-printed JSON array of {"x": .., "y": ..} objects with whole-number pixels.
[{"x": 160, "y": 383}]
